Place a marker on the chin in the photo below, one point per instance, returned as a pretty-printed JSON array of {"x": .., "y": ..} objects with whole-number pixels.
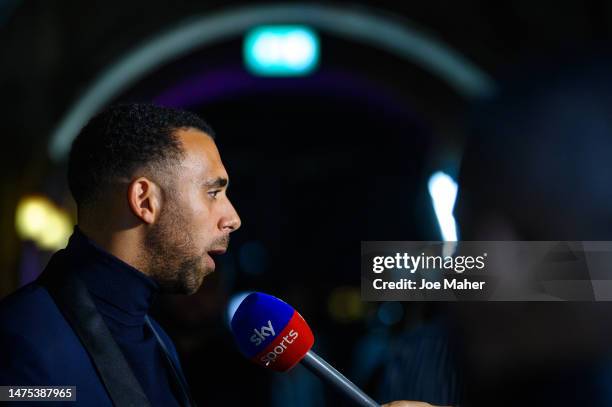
[{"x": 194, "y": 285}]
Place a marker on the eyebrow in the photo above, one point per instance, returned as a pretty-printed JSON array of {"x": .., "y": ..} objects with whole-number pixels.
[{"x": 218, "y": 182}]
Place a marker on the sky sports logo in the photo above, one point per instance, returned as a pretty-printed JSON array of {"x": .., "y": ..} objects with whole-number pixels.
[
  {"x": 270, "y": 332},
  {"x": 266, "y": 331},
  {"x": 260, "y": 335}
]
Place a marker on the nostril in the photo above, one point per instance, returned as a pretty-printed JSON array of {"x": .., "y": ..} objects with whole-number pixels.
[{"x": 231, "y": 226}]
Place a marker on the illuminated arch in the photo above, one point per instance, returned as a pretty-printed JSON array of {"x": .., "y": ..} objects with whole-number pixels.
[{"x": 383, "y": 32}]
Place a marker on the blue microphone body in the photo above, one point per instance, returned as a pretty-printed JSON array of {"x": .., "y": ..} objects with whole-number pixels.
[{"x": 271, "y": 333}]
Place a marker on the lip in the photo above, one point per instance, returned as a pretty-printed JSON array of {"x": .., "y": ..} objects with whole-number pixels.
[{"x": 215, "y": 252}]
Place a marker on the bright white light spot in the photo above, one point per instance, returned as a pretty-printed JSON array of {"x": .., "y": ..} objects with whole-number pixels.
[
  {"x": 267, "y": 49},
  {"x": 443, "y": 192},
  {"x": 30, "y": 216},
  {"x": 281, "y": 50},
  {"x": 39, "y": 220},
  {"x": 298, "y": 49}
]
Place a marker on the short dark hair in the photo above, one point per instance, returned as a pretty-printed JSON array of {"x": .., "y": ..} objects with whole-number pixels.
[{"x": 122, "y": 139}]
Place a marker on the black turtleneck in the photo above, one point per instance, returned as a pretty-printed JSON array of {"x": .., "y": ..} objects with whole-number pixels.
[{"x": 123, "y": 296}]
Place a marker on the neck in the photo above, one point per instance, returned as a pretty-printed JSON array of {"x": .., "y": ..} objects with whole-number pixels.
[{"x": 125, "y": 244}]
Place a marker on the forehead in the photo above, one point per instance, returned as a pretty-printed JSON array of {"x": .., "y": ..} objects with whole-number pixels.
[{"x": 202, "y": 159}]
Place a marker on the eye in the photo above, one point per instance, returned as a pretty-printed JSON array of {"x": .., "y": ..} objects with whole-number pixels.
[{"x": 213, "y": 194}]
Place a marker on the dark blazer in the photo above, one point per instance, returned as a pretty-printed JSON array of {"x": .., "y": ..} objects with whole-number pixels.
[{"x": 39, "y": 345}]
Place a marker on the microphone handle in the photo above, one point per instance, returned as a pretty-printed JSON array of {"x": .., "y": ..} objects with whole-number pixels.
[{"x": 327, "y": 373}]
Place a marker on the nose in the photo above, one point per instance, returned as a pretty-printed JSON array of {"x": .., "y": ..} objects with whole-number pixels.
[{"x": 231, "y": 221}]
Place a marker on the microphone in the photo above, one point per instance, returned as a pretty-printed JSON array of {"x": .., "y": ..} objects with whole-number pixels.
[{"x": 272, "y": 334}]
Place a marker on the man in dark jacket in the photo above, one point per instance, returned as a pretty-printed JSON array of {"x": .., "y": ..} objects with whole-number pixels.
[{"x": 152, "y": 207}]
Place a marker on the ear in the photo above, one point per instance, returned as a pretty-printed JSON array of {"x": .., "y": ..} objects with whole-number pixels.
[{"x": 144, "y": 199}]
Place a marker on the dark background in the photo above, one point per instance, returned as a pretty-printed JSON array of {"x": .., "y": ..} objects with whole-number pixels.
[{"x": 317, "y": 164}]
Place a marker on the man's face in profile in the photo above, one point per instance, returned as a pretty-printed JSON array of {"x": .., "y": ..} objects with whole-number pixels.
[{"x": 196, "y": 217}]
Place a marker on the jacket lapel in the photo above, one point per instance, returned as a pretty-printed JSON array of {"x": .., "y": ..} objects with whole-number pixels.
[{"x": 74, "y": 301}]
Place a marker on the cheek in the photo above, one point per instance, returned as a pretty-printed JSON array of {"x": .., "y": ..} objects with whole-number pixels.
[
  {"x": 196, "y": 207},
  {"x": 199, "y": 217}
]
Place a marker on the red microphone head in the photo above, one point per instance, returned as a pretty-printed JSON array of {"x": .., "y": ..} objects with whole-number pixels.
[{"x": 270, "y": 332}]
